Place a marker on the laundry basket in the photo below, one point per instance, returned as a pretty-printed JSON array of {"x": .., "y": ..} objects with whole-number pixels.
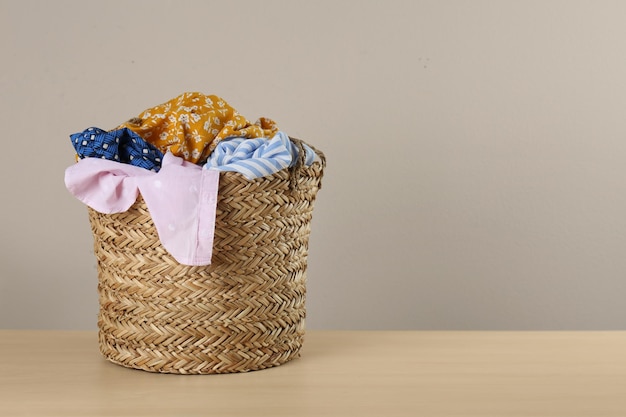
[{"x": 243, "y": 312}]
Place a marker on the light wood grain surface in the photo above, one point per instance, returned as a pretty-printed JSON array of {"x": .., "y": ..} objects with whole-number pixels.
[{"x": 59, "y": 373}]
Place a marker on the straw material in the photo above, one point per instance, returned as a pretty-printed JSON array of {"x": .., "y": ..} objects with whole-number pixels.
[{"x": 243, "y": 312}]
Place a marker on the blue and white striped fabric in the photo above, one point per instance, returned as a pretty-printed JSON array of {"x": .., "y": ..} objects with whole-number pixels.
[{"x": 258, "y": 157}]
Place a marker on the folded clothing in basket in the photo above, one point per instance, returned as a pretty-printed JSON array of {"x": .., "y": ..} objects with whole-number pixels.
[
  {"x": 254, "y": 158},
  {"x": 181, "y": 198}
]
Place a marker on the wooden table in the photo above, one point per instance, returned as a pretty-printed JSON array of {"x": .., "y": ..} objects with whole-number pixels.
[{"x": 60, "y": 373}]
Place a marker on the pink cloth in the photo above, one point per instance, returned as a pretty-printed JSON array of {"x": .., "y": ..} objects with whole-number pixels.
[{"x": 181, "y": 198}]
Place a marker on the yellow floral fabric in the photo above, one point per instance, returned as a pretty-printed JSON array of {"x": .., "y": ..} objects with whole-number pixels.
[{"x": 192, "y": 124}]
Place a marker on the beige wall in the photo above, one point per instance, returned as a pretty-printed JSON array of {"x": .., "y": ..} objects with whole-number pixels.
[{"x": 477, "y": 150}]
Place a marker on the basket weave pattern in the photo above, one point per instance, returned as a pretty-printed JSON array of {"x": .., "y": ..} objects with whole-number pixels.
[{"x": 243, "y": 312}]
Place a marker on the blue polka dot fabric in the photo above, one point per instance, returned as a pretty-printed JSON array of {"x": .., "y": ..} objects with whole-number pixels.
[{"x": 122, "y": 145}]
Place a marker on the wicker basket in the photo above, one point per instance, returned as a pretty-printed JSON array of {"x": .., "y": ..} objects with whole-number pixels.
[{"x": 243, "y": 312}]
